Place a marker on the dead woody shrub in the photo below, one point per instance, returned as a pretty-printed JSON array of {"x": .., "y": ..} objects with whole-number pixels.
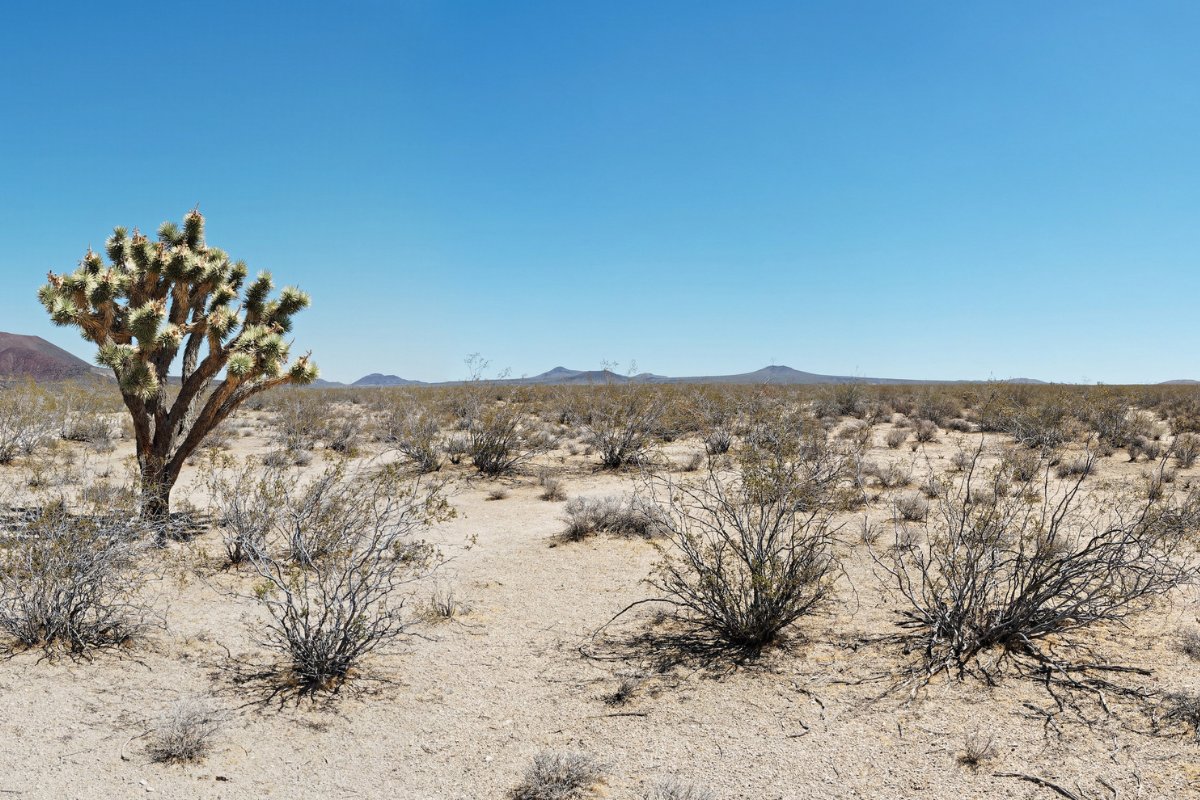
[
  {"x": 412, "y": 431},
  {"x": 563, "y": 775},
  {"x": 70, "y": 571},
  {"x": 1027, "y": 565},
  {"x": 335, "y": 594},
  {"x": 245, "y": 502},
  {"x": 749, "y": 554},
  {"x": 620, "y": 420}
]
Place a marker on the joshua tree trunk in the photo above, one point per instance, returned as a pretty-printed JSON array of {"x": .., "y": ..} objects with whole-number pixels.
[{"x": 156, "y": 299}]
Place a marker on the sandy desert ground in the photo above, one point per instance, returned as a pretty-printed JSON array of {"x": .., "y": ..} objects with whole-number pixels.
[{"x": 462, "y": 709}]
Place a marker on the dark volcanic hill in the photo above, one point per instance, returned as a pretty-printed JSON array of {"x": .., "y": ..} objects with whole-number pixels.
[
  {"x": 772, "y": 374},
  {"x": 33, "y": 356}
]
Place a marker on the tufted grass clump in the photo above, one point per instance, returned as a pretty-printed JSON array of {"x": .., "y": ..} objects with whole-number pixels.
[
  {"x": 560, "y": 775},
  {"x": 185, "y": 733}
]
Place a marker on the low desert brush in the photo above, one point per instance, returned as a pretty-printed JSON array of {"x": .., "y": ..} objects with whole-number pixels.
[
  {"x": 186, "y": 732},
  {"x": 561, "y": 775}
]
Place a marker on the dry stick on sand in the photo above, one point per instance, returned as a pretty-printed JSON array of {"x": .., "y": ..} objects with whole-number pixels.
[{"x": 1039, "y": 781}]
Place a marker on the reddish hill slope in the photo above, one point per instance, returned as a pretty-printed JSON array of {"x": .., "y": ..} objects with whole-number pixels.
[{"x": 37, "y": 358}]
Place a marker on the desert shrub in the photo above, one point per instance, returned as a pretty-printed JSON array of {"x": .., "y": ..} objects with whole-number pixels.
[
  {"x": 444, "y": 605},
  {"x": 1041, "y": 425},
  {"x": 1186, "y": 450},
  {"x": 858, "y": 433},
  {"x": 498, "y": 493},
  {"x": 70, "y": 572},
  {"x": 748, "y": 555},
  {"x": 895, "y": 437},
  {"x": 1188, "y": 642},
  {"x": 1079, "y": 467},
  {"x": 675, "y": 789},
  {"x": 1156, "y": 482},
  {"x": 619, "y": 515},
  {"x": 1181, "y": 707},
  {"x": 287, "y": 458},
  {"x": 1010, "y": 572},
  {"x": 977, "y": 748},
  {"x": 1107, "y": 412},
  {"x": 717, "y": 440},
  {"x": 1149, "y": 448},
  {"x": 414, "y": 433},
  {"x": 344, "y": 432},
  {"x": 220, "y": 438},
  {"x": 245, "y": 502},
  {"x": 878, "y": 412},
  {"x": 692, "y": 462},
  {"x": 627, "y": 687},
  {"x": 85, "y": 426},
  {"x": 553, "y": 488},
  {"x": 620, "y": 421},
  {"x": 561, "y": 775},
  {"x": 937, "y": 406},
  {"x": 300, "y": 419},
  {"x": 868, "y": 532},
  {"x": 912, "y": 507},
  {"x": 925, "y": 431},
  {"x": 80, "y": 408},
  {"x": 498, "y": 437},
  {"x": 185, "y": 733},
  {"x": 960, "y": 425},
  {"x": 1022, "y": 465},
  {"x": 890, "y": 475},
  {"x": 847, "y": 399},
  {"x": 337, "y": 592},
  {"x": 27, "y": 420},
  {"x": 456, "y": 448}
]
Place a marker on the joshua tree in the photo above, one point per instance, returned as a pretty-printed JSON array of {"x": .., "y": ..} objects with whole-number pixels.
[{"x": 155, "y": 299}]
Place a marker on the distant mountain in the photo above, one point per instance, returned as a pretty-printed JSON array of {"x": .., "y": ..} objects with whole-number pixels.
[
  {"x": 1180, "y": 382},
  {"x": 33, "y": 356},
  {"x": 377, "y": 379},
  {"x": 560, "y": 376}
]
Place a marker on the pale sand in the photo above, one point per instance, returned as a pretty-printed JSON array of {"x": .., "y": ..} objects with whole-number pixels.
[{"x": 463, "y": 710}]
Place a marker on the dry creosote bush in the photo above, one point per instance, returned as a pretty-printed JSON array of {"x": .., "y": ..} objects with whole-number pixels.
[
  {"x": 334, "y": 565},
  {"x": 999, "y": 576},
  {"x": 749, "y": 552},
  {"x": 71, "y": 570}
]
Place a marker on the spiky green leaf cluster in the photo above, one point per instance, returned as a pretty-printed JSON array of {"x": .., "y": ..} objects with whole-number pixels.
[{"x": 150, "y": 298}]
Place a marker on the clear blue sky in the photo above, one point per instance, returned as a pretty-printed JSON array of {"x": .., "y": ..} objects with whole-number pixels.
[{"x": 891, "y": 189}]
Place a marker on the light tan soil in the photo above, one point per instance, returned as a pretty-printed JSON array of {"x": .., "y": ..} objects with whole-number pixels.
[{"x": 464, "y": 708}]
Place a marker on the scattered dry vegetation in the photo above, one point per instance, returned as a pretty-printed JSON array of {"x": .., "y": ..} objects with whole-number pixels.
[{"x": 1025, "y": 536}]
